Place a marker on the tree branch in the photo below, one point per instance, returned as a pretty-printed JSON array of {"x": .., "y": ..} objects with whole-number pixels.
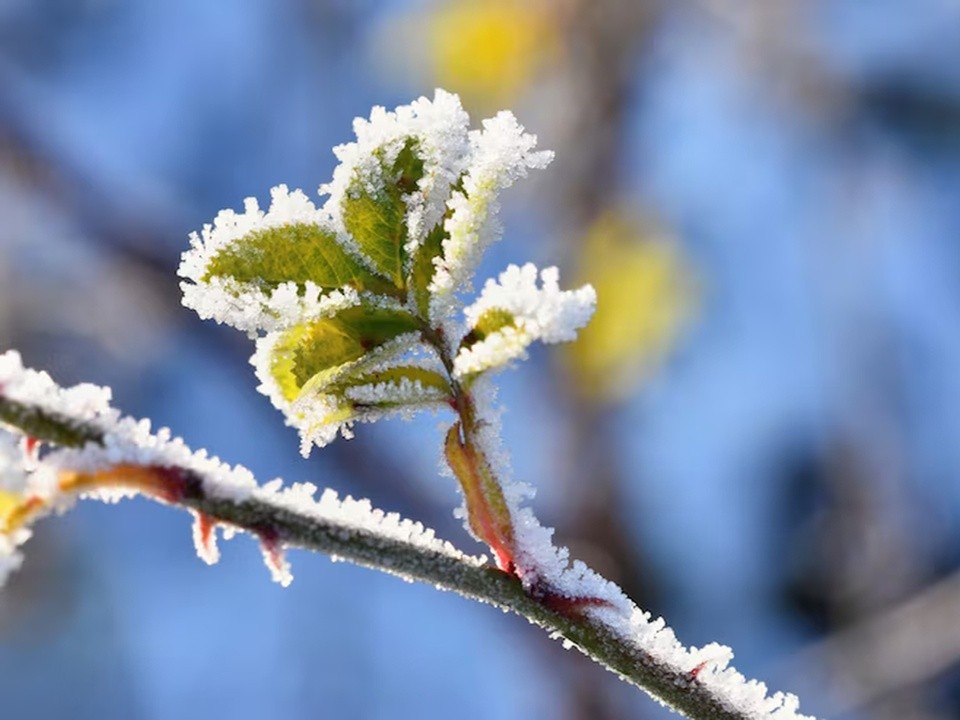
[{"x": 278, "y": 525}]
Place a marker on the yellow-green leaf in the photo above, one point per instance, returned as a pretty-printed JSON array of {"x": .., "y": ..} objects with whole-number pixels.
[
  {"x": 428, "y": 379},
  {"x": 489, "y": 322},
  {"x": 298, "y": 252},
  {"x": 378, "y": 220},
  {"x": 318, "y": 352},
  {"x": 424, "y": 268}
]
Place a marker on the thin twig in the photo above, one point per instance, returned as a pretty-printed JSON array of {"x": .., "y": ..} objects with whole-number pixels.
[{"x": 680, "y": 690}]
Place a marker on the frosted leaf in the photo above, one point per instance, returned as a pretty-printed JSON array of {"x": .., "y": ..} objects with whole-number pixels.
[
  {"x": 403, "y": 391},
  {"x": 439, "y": 129},
  {"x": 514, "y": 312},
  {"x": 500, "y": 154},
  {"x": 364, "y": 388},
  {"x": 267, "y": 270}
]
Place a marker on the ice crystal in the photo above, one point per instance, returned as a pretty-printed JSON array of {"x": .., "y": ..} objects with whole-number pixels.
[
  {"x": 13, "y": 482},
  {"x": 501, "y": 153},
  {"x": 250, "y": 306},
  {"x": 127, "y": 445},
  {"x": 528, "y": 313},
  {"x": 439, "y": 131},
  {"x": 324, "y": 410}
]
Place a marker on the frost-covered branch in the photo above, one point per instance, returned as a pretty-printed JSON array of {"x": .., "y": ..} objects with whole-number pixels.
[
  {"x": 356, "y": 313},
  {"x": 94, "y": 452}
]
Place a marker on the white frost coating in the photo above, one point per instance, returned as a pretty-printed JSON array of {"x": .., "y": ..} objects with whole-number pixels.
[
  {"x": 440, "y": 129},
  {"x": 500, "y": 154},
  {"x": 320, "y": 415},
  {"x": 358, "y": 515},
  {"x": 404, "y": 392},
  {"x": 13, "y": 473},
  {"x": 541, "y": 563},
  {"x": 250, "y": 309},
  {"x": 10, "y": 557},
  {"x": 82, "y": 402},
  {"x": 130, "y": 442},
  {"x": 125, "y": 441},
  {"x": 205, "y": 540},
  {"x": 245, "y": 306},
  {"x": 708, "y": 666},
  {"x": 544, "y": 313}
]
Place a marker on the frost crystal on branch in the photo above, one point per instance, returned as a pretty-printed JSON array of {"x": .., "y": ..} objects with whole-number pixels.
[
  {"x": 13, "y": 482},
  {"x": 513, "y": 312},
  {"x": 126, "y": 459},
  {"x": 355, "y": 309}
]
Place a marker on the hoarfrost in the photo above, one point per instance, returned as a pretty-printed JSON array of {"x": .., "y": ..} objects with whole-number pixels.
[
  {"x": 319, "y": 414},
  {"x": 439, "y": 128},
  {"x": 463, "y": 173},
  {"x": 13, "y": 483},
  {"x": 544, "y": 566},
  {"x": 243, "y": 305},
  {"x": 544, "y": 313},
  {"x": 500, "y": 154},
  {"x": 129, "y": 443}
]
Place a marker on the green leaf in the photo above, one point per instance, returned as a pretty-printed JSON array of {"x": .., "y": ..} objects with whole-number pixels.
[
  {"x": 424, "y": 268},
  {"x": 378, "y": 220},
  {"x": 319, "y": 352},
  {"x": 395, "y": 375},
  {"x": 489, "y": 322},
  {"x": 293, "y": 253}
]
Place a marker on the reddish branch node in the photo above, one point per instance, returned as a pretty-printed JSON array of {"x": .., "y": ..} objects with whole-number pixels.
[{"x": 559, "y": 602}]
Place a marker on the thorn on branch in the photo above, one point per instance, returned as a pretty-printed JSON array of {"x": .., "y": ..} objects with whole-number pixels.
[
  {"x": 571, "y": 607},
  {"x": 205, "y": 537},
  {"x": 274, "y": 557}
]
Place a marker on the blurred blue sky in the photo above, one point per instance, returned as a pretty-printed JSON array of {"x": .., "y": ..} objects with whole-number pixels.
[{"x": 808, "y": 163}]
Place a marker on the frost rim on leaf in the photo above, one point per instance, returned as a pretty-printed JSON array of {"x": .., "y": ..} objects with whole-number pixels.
[
  {"x": 440, "y": 129},
  {"x": 242, "y": 305},
  {"x": 500, "y": 154},
  {"x": 544, "y": 313}
]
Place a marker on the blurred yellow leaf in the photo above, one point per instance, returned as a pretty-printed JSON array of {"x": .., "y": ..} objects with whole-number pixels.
[
  {"x": 490, "y": 50},
  {"x": 8, "y": 503},
  {"x": 645, "y": 292}
]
